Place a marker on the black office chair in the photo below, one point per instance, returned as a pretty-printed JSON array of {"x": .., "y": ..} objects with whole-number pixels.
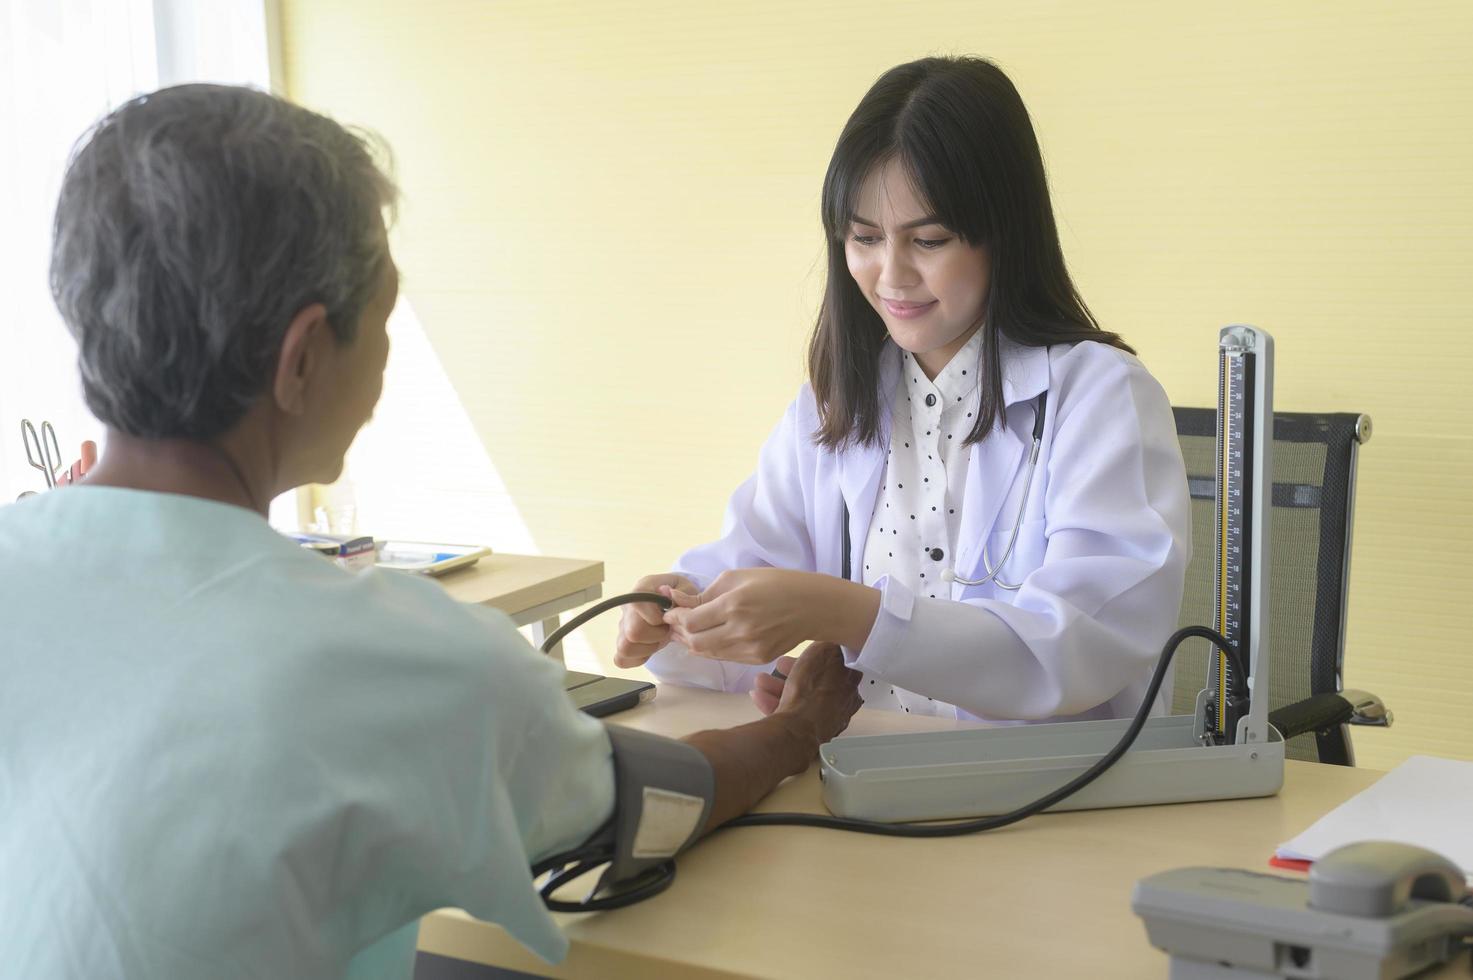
[{"x": 1314, "y": 462}]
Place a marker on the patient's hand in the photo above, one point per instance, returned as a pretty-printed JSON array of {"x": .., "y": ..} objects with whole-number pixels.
[{"x": 820, "y": 690}]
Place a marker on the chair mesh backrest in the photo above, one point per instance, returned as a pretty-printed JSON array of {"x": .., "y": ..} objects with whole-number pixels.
[{"x": 1312, "y": 472}]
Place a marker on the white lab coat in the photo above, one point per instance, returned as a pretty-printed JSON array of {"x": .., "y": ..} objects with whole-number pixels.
[{"x": 1101, "y": 554}]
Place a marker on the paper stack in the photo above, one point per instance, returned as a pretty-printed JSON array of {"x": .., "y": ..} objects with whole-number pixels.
[{"x": 1425, "y": 801}]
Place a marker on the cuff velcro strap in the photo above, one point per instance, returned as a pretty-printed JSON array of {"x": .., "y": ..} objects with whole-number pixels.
[{"x": 664, "y": 792}]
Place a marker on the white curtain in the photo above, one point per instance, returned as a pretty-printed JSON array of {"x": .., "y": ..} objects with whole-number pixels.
[{"x": 64, "y": 64}]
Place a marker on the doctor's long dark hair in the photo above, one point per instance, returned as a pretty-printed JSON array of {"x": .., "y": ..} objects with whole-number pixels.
[{"x": 959, "y": 129}]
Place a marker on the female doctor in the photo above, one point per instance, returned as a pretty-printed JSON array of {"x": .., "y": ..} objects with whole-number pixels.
[{"x": 980, "y": 494}]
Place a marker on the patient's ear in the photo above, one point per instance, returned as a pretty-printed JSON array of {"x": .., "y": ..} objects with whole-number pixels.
[{"x": 301, "y": 361}]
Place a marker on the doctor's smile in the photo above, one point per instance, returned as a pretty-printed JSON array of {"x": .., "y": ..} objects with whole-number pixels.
[{"x": 907, "y": 311}]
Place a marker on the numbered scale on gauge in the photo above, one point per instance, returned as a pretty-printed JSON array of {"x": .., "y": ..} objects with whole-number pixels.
[{"x": 1244, "y": 436}]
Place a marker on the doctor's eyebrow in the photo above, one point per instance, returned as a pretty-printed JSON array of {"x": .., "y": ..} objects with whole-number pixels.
[{"x": 929, "y": 219}]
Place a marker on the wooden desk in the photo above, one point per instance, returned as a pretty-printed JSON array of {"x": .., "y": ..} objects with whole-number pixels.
[
  {"x": 1049, "y": 897},
  {"x": 531, "y": 589}
]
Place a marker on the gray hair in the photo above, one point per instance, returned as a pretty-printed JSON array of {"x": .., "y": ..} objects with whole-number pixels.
[{"x": 193, "y": 224}]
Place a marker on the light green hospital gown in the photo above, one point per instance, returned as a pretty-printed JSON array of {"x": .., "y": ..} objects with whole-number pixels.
[{"x": 222, "y": 756}]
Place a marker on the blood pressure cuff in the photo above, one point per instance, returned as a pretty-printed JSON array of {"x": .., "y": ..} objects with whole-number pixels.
[{"x": 664, "y": 790}]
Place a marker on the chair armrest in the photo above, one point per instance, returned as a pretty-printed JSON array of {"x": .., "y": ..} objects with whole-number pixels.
[
  {"x": 1324, "y": 711},
  {"x": 1369, "y": 709}
]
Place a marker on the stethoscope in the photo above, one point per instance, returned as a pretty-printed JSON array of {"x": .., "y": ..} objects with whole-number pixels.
[{"x": 992, "y": 573}]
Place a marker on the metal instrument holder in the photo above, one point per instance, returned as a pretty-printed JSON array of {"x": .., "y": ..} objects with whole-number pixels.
[{"x": 1175, "y": 759}]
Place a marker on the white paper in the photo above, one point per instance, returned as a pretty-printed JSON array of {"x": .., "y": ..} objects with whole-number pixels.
[{"x": 1425, "y": 801}]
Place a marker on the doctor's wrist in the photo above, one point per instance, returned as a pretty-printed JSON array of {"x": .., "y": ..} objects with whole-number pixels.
[{"x": 844, "y": 611}]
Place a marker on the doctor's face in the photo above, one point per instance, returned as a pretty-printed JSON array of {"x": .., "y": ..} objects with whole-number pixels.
[{"x": 928, "y": 285}]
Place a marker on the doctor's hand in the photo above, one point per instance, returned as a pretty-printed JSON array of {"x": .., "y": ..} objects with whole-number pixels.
[
  {"x": 642, "y": 629},
  {"x": 748, "y": 615},
  {"x": 819, "y": 689}
]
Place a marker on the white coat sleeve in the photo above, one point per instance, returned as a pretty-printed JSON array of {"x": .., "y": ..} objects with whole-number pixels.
[
  {"x": 1088, "y": 623},
  {"x": 767, "y": 524}
]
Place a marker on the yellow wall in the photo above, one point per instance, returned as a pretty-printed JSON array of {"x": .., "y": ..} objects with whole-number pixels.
[{"x": 610, "y": 234}]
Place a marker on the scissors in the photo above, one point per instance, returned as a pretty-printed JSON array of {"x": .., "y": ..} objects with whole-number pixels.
[{"x": 43, "y": 452}]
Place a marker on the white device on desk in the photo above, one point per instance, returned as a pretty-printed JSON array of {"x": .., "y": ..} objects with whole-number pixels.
[
  {"x": 425, "y": 558},
  {"x": 1225, "y": 750},
  {"x": 1369, "y": 911}
]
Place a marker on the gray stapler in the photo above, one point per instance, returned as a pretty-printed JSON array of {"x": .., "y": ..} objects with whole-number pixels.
[{"x": 1369, "y": 911}]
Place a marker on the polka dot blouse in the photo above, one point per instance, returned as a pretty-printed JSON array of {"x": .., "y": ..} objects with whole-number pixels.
[{"x": 912, "y": 534}]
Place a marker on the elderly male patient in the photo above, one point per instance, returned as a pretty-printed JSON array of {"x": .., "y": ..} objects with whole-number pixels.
[{"x": 221, "y": 756}]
